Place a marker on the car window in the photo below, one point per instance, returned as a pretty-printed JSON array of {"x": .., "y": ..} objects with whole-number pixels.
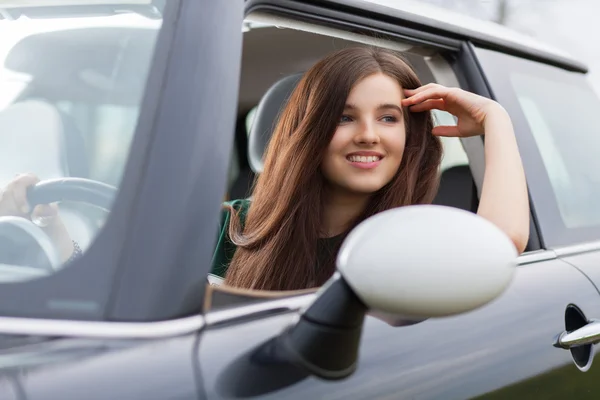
[
  {"x": 71, "y": 84},
  {"x": 558, "y": 109}
]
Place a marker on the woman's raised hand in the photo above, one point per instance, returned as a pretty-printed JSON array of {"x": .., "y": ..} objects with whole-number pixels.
[{"x": 471, "y": 110}]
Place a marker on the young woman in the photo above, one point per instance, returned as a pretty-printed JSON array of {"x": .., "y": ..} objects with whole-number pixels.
[{"x": 355, "y": 138}]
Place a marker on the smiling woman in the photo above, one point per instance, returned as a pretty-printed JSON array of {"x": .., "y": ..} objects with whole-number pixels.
[
  {"x": 355, "y": 138},
  {"x": 313, "y": 190}
]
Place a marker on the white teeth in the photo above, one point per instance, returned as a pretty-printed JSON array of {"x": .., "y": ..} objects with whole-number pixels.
[{"x": 363, "y": 159}]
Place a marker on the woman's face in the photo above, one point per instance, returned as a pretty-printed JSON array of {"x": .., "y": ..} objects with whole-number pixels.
[{"x": 366, "y": 149}]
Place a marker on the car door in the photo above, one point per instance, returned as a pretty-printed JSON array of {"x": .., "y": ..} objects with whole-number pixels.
[{"x": 502, "y": 350}]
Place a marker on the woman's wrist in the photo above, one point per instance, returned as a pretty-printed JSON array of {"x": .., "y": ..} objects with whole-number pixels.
[
  {"x": 61, "y": 239},
  {"x": 497, "y": 120},
  {"x": 75, "y": 253}
]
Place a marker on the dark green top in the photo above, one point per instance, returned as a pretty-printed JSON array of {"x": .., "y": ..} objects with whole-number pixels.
[{"x": 225, "y": 249}]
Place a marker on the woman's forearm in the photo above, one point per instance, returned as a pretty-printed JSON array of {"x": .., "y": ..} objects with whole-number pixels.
[{"x": 504, "y": 200}]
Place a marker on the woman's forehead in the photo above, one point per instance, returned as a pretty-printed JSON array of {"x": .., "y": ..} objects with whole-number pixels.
[{"x": 375, "y": 90}]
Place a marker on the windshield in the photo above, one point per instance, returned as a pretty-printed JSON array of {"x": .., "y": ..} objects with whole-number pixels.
[{"x": 72, "y": 78}]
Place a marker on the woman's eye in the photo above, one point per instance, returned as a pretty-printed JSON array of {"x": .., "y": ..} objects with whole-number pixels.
[
  {"x": 345, "y": 119},
  {"x": 389, "y": 119}
]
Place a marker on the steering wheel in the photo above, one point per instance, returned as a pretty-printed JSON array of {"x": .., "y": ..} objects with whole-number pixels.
[
  {"x": 79, "y": 190},
  {"x": 22, "y": 234}
]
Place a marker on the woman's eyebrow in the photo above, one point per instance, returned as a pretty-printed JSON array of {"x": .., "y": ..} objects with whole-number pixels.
[
  {"x": 380, "y": 107},
  {"x": 387, "y": 106}
]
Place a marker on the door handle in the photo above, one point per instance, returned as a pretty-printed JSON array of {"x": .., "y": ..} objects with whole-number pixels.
[
  {"x": 579, "y": 337},
  {"x": 587, "y": 334}
]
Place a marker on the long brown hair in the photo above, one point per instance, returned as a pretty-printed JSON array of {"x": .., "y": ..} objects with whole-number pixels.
[{"x": 277, "y": 248}]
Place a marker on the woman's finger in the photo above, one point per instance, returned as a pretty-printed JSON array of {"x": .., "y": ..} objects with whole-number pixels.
[
  {"x": 446, "y": 130},
  {"x": 436, "y": 92},
  {"x": 410, "y": 92},
  {"x": 433, "y": 104}
]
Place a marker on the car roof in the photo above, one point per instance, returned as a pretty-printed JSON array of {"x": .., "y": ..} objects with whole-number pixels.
[{"x": 484, "y": 33}]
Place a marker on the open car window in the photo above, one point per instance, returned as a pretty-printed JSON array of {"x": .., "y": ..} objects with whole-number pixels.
[{"x": 295, "y": 47}]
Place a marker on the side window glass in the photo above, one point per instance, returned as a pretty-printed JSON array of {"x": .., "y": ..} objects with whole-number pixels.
[
  {"x": 553, "y": 160},
  {"x": 71, "y": 85},
  {"x": 572, "y": 173},
  {"x": 554, "y": 112}
]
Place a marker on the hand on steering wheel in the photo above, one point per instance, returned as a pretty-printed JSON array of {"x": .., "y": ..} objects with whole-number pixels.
[
  {"x": 29, "y": 198},
  {"x": 14, "y": 202}
]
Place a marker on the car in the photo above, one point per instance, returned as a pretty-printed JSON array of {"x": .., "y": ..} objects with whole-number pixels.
[{"x": 140, "y": 117}]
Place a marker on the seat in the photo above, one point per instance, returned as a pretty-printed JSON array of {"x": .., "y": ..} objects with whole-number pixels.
[
  {"x": 267, "y": 114},
  {"x": 265, "y": 119},
  {"x": 457, "y": 188}
]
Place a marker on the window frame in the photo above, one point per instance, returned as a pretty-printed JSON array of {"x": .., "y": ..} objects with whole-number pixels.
[
  {"x": 552, "y": 229},
  {"x": 178, "y": 212}
]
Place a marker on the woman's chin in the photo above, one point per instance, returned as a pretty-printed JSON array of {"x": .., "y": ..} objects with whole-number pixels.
[
  {"x": 356, "y": 188},
  {"x": 364, "y": 189}
]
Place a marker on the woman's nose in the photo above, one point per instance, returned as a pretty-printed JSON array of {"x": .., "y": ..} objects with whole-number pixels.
[{"x": 367, "y": 134}]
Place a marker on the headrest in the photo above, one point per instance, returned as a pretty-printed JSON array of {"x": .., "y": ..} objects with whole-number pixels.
[{"x": 266, "y": 117}]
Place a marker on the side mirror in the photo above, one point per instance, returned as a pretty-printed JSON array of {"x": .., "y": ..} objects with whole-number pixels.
[
  {"x": 427, "y": 261},
  {"x": 416, "y": 261}
]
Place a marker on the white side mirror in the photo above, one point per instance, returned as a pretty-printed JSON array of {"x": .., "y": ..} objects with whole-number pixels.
[{"x": 427, "y": 261}]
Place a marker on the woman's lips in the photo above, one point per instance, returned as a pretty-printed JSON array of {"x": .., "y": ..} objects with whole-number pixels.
[{"x": 365, "y": 165}]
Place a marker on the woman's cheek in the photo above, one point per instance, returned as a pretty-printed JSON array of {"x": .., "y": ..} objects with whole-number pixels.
[{"x": 397, "y": 143}]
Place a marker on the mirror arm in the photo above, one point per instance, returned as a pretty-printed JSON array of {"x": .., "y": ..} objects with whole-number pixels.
[
  {"x": 326, "y": 339},
  {"x": 322, "y": 342}
]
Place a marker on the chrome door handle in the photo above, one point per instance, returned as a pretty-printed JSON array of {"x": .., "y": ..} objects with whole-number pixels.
[{"x": 587, "y": 334}]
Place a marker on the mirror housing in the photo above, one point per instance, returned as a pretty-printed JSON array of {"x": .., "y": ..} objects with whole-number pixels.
[{"x": 427, "y": 261}]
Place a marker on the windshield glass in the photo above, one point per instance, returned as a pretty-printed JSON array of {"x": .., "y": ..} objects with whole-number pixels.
[{"x": 72, "y": 78}]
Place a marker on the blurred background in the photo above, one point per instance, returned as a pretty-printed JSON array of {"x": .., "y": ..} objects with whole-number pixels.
[{"x": 570, "y": 25}]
